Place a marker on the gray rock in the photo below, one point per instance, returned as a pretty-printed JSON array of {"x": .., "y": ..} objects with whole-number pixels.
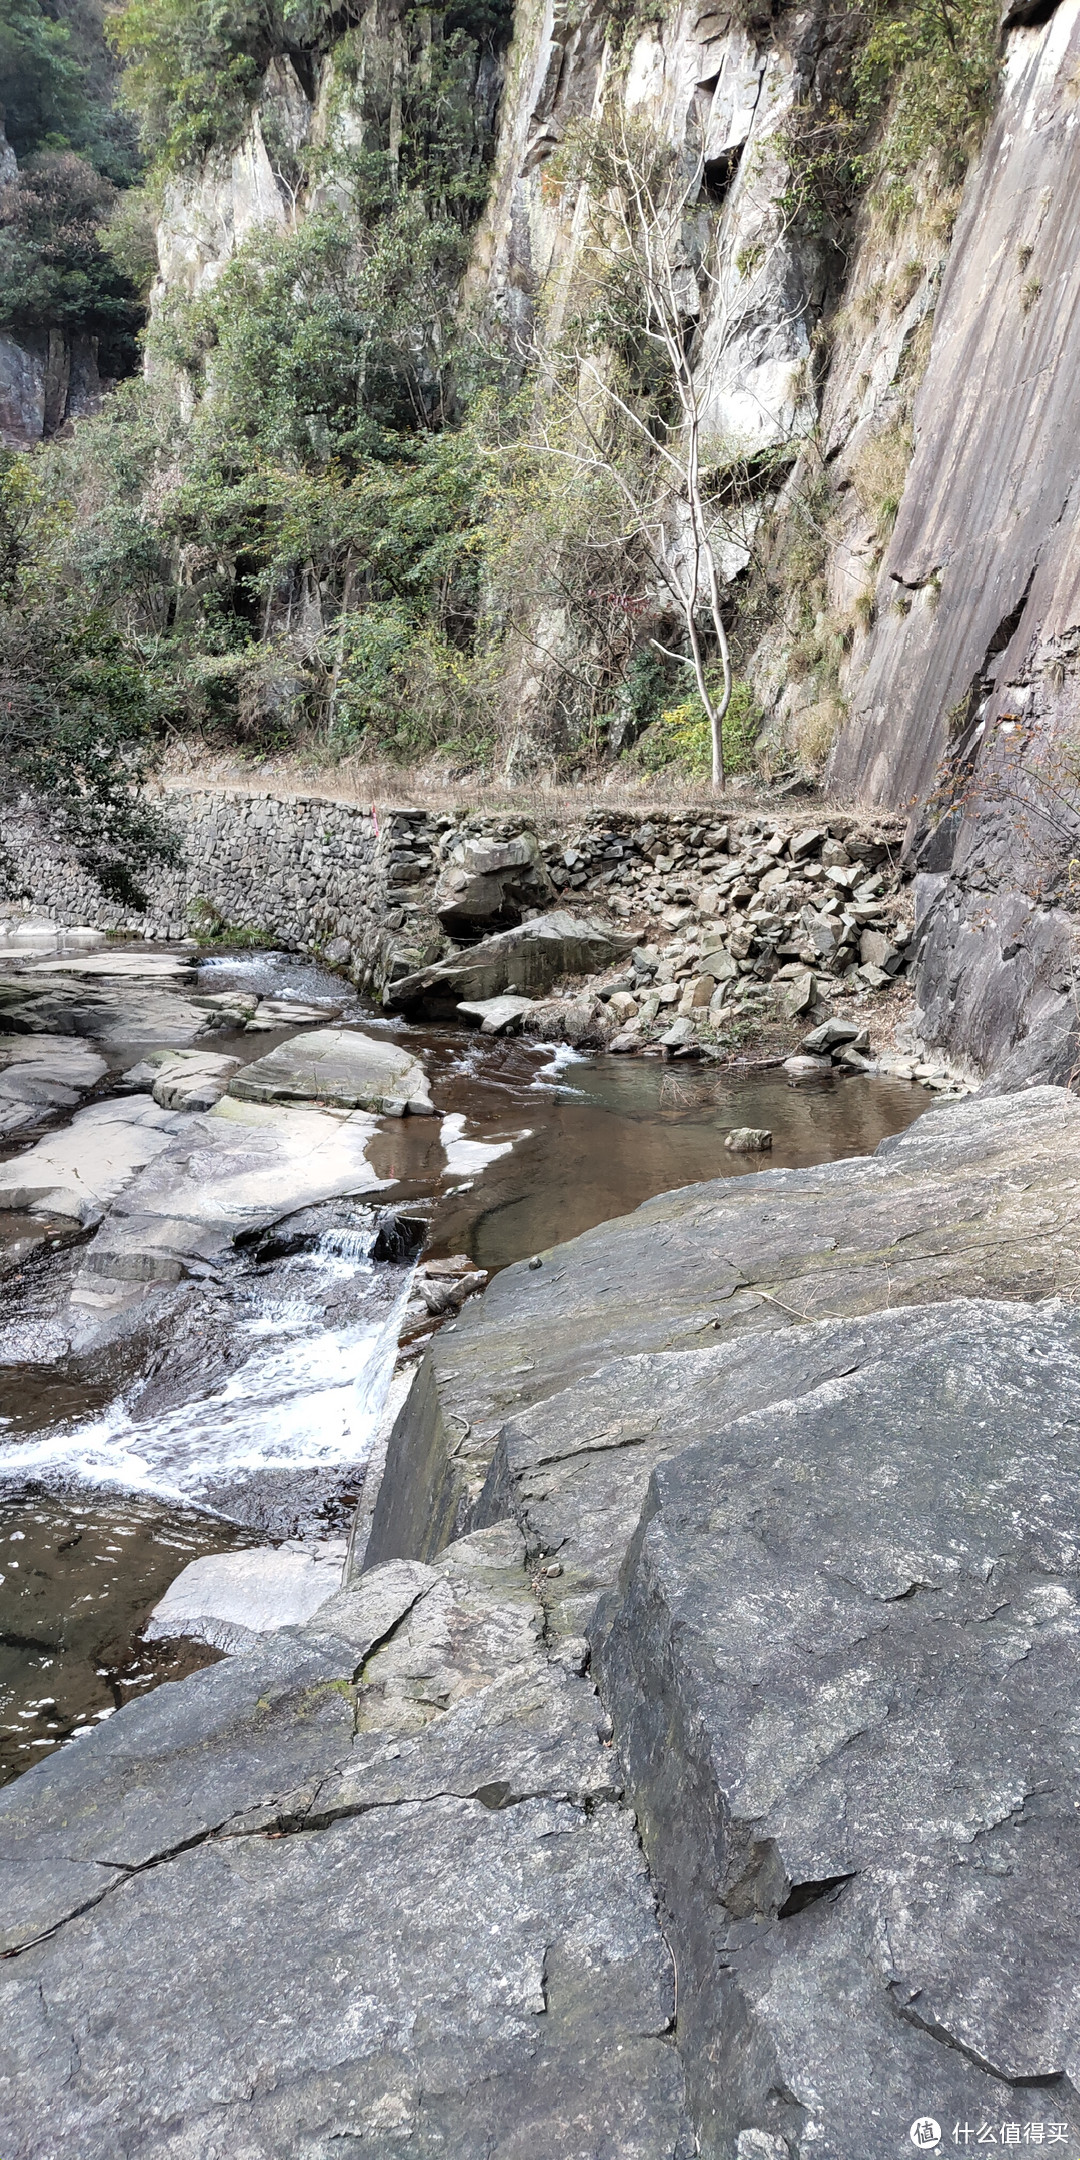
[
  {"x": 183, "y": 1079},
  {"x": 977, "y": 1198},
  {"x": 844, "y": 1686},
  {"x": 101, "y": 1012},
  {"x": 489, "y": 882},
  {"x": 805, "y": 1071},
  {"x": 829, "y": 1036},
  {"x": 680, "y": 1035},
  {"x": 412, "y": 1751},
  {"x": 531, "y": 957},
  {"x": 228, "y": 1599},
  {"x": 142, "y": 963},
  {"x": 337, "y": 1065},
  {"x": 497, "y": 1015},
  {"x": 82, "y": 1169},
  {"x": 876, "y": 950},
  {"x": 237, "y": 1169},
  {"x": 748, "y": 1140},
  {"x": 41, "y": 1073}
]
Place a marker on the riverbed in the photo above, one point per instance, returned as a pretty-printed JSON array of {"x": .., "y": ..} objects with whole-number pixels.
[{"x": 245, "y": 1413}]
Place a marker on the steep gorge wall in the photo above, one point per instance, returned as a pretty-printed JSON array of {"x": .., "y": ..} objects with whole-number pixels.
[{"x": 971, "y": 617}]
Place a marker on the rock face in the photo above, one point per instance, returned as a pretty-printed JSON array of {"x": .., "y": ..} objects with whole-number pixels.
[
  {"x": 339, "y": 1066},
  {"x": 414, "y": 1749},
  {"x": 490, "y": 882},
  {"x": 977, "y": 606},
  {"x": 844, "y": 1688},
  {"x": 527, "y": 960}
]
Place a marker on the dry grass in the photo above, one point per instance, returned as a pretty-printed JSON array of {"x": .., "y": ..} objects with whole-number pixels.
[{"x": 433, "y": 787}]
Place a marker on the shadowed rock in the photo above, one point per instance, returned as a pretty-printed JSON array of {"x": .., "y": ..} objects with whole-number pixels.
[{"x": 526, "y": 961}]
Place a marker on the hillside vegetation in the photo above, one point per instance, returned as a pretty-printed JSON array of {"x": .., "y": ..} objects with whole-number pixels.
[{"x": 339, "y": 507}]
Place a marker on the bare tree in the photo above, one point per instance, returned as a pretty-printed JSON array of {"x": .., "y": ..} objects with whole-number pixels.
[{"x": 645, "y": 439}]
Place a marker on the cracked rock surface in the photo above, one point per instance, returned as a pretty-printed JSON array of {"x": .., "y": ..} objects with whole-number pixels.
[
  {"x": 842, "y": 1666},
  {"x": 978, "y": 1198},
  {"x": 370, "y": 1887}
]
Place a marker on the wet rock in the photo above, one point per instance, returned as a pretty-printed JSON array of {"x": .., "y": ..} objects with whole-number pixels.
[
  {"x": 804, "y": 1070},
  {"x": 230, "y": 1599},
  {"x": 271, "y": 1013},
  {"x": 977, "y": 1198},
  {"x": 531, "y": 957},
  {"x": 42, "y": 1073},
  {"x": 234, "y": 1171},
  {"x": 140, "y": 964},
  {"x": 840, "y": 1681},
  {"x": 31, "y": 1005},
  {"x": 497, "y": 1016},
  {"x": 80, "y": 1171},
  {"x": 490, "y": 882},
  {"x": 748, "y": 1140},
  {"x": 340, "y": 1066}
]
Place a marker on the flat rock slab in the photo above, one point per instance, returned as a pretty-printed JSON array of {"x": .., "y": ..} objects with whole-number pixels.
[
  {"x": 237, "y": 1169},
  {"x": 41, "y": 1073},
  {"x": 337, "y": 1065},
  {"x": 228, "y": 1599},
  {"x": 140, "y": 965},
  {"x": 842, "y": 1666},
  {"x": 80, "y": 1171},
  {"x": 134, "y": 1011},
  {"x": 497, "y": 1015},
  {"x": 370, "y": 1885},
  {"x": 978, "y": 1198},
  {"x": 526, "y": 961}
]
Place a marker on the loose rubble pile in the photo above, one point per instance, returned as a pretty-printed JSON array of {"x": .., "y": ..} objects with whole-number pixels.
[{"x": 770, "y": 919}]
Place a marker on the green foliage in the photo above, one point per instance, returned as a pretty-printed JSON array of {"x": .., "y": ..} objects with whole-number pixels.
[
  {"x": 681, "y": 737},
  {"x": 919, "y": 85},
  {"x": 192, "y": 70},
  {"x": 75, "y": 711},
  {"x": 54, "y": 272},
  {"x": 44, "y": 104}
]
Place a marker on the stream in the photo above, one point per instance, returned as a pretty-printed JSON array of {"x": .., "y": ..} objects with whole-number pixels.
[{"x": 245, "y": 1412}]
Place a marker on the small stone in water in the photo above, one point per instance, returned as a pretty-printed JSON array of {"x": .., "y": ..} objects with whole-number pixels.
[{"x": 748, "y": 1140}]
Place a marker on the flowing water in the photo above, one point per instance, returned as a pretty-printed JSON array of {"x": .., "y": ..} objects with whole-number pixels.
[{"x": 247, "y": 1415}]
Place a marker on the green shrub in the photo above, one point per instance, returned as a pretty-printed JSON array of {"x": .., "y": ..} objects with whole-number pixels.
[{"x": 682, "y": 738}]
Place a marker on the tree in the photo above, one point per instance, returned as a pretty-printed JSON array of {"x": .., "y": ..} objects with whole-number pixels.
[{"x": 620, "y": 397}]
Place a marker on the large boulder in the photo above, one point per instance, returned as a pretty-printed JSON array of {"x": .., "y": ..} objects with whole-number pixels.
[
  {"x": 526, "y": 960},
  {"x": 491, "y": 882},
  {"x": 842, "y": 1667},
  {"x": 340, "y": 1066}
]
